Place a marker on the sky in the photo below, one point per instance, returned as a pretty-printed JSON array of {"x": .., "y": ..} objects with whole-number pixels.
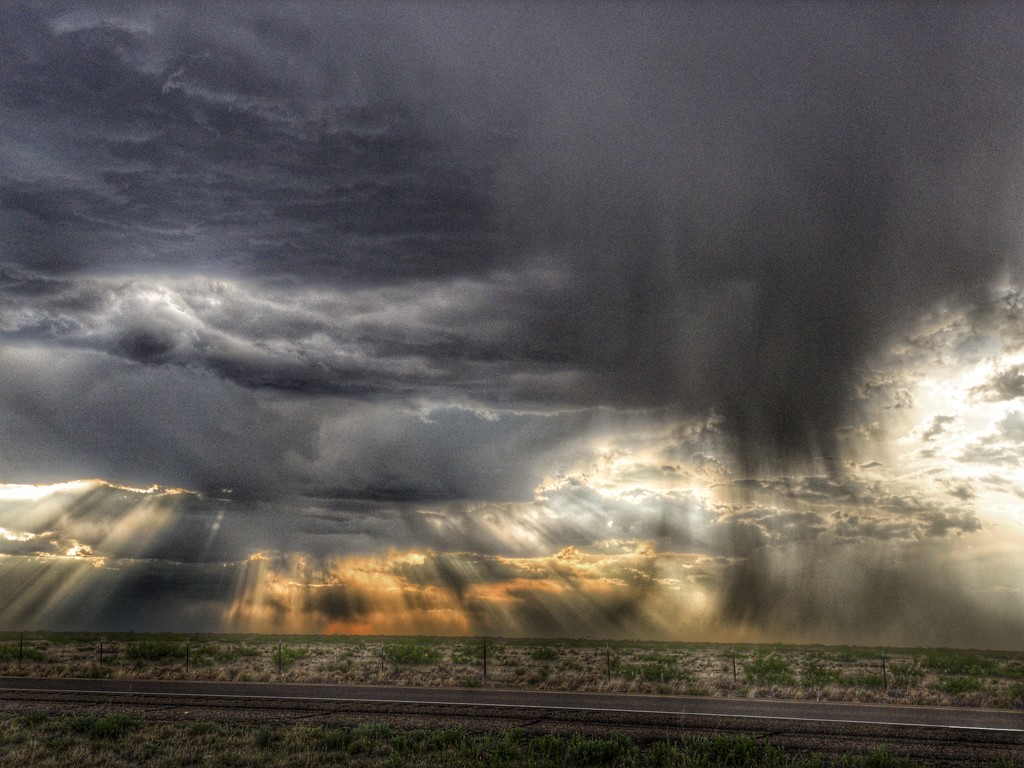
[{"x": 692, "y": 321}]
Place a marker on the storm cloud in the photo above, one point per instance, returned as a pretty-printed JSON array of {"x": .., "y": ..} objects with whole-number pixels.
[
  {"x": 482, "y": 282},
  {"x": 688, "y": 208}
]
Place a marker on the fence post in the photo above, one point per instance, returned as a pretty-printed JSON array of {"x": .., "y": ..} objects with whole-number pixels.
[
  {"x": 485, "y": 656},
  {"x": 885, "y": 674},
  {"x": 101, "y": 651},
  {"x": 734, "y": 664},
  {"x": 608, "y": 659},
  {"x": 280, "y": 659},
  {"x": 21, "y": 649},
  {"x": 382, "y": 658},
  {"x": 186, "y": 654}
]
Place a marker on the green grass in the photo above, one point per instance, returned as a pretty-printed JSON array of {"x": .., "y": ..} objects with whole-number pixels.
[{"x": 116, "y": 740}]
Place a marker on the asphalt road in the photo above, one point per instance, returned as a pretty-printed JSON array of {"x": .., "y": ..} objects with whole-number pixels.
[
  {"x": 939, "y": 737},
  {"x": 692, "y": 706}
]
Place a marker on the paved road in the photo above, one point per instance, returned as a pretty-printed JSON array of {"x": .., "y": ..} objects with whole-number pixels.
[{"x": 692, "y": 706}]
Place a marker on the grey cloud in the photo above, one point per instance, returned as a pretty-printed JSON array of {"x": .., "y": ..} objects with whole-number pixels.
[
  {"x": 733, "y": 220},
  {"x": 926, "y": 522},
  {"x": 1006, "y": 384},
  {"x": 457, "y": 571},
  {"x": 336, "y": 602},
  {"x": 1004, "y": 445},
  {"x": 865, "y": 594},
  {"x": 58, "y": 593},
  {"x": 936, "y": 427}
]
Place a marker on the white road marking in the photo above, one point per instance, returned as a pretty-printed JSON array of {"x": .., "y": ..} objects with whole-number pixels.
[{"x": 554, "y": 707}]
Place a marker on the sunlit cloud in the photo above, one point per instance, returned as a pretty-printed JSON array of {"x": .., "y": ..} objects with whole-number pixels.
[
  {"x": 56, "y": 536},
  {"x": 15, "y": 492}
]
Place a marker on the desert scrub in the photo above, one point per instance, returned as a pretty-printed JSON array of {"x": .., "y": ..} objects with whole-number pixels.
[
  {"x": 652, "y": 668},
  {"x": 766, "y": 669},
  {"x": 12, "y": 652},
  {"x": 544, "y": 653},
  {"x": 960, "y": 684},
  {"x": 958, "y": 663},
  {"x": 817, "y": 674},
  {"x": 154, "y": 650},
  {"x": 411, "y": 653},
  {"x": 286, "y": 655},
  {"x": 906, "y": 675}
]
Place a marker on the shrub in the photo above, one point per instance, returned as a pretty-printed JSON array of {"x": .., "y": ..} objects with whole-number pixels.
[
  {"x": 906, "y": 675},
  {"x": 411, "y": 653},
  {"x": 264, "y": 737},
  {"x": 730, "y": 751},
  {"x": 34, "y": 718},
  {"x": 957, "y": 685},
  {"x": 586, "y": 751},
  {"x": 103, "y": 726},
  {"x": 10, "y": 651},
  {"x": 880, "y": 758},
  {"x": 1013, "y": 696},
  {"x": 290, "y": 654},
  {"x": 155, "y": 650},
  {"x": 870, "y": 680},
  {"x": 768, "y": 670},
  {"x": 956, "y": 663},
  {"x": 816, "y": 675},
  {"x": 663, "y": 671},
  {"x": 544, "y": 653}
]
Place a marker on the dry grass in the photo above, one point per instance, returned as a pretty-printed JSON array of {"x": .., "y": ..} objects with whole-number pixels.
[{"x": 916, "y": 676}]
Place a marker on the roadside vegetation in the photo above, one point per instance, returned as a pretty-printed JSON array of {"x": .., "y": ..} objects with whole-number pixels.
[
  {"x": 897, "y": 675},
  {"x": 114, "y": 740}
]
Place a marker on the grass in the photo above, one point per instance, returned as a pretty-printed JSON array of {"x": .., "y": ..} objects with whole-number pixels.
[
  {"x": 914, "y": 675},
  {"x": 116, "y": 740}
]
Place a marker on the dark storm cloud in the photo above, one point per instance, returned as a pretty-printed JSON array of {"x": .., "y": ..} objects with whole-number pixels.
[
  {"x": 652, "y": 206},
  {"x": 866, "y": 594}
]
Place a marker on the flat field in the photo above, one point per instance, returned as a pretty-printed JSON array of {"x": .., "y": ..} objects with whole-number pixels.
[{"x": 824, "y": 673}]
